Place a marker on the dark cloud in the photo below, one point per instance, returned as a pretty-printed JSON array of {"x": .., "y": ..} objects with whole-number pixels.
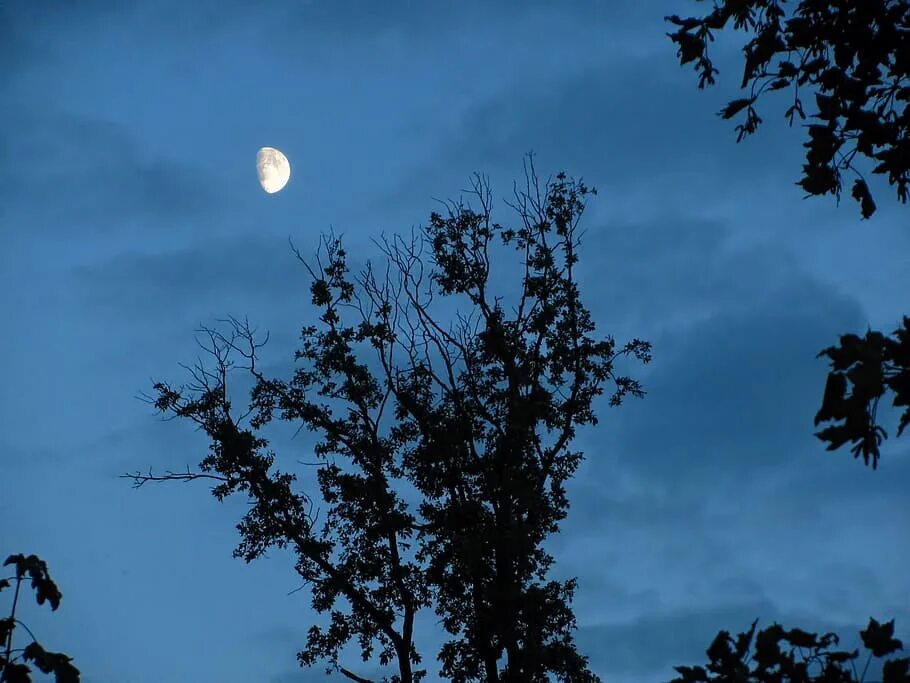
[
  {"x": 740, "y": 360},
  {"x": 260, "y": 270},
  {"x": 347, "y": 18},
  {"x": 735, "y": 374},
  {"x": 28, "y": 31},
  {"x": 642, "y": 130},
  {"x": 257, "y": 278},
  {"x": 71, "y": 174}
]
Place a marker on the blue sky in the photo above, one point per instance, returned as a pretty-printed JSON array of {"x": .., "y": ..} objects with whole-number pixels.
[{"x": 130, "y": 214}]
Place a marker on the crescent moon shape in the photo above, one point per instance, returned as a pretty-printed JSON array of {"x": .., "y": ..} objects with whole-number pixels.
[{"x": 274, "y": 169}]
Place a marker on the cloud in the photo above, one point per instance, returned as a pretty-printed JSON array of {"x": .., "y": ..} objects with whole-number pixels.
[
  {"x": 27, "y": 32},
  {"x": 647, "y": 131},
  {"x": 260, "y": 270},
  {"x": 73, "y": 175}
]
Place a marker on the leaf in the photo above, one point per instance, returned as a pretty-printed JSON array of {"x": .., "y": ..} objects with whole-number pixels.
[
  {"x": 842, "y": 656},
  {"x": 66, "y": 672},
  {"x": 896, "y": 671},
  {"x": 687, "y": 23},
  {"x": 819, "y": 180},
  {"x": 734, "y": 107},
  {"x": 6, "y": 627},
  {"x": 833, "y": 401},
  {"x": 879, "y": 638},
  {"x": 691, "y": 674},
  {"x": 800, "y": 638},
  {"x": 828, "y": 107},
  {"x": 744, "y": 640},
  {"x": 56, "y": 663},
  {"x": 861, "y": 194},
  {"x": 787, "y": 69},
  {"x": 690, "y": 47},
  {"x": 19, "y": 561},
  {"x": 36, "y": 653},
  {"x": 17, "y": 673}
]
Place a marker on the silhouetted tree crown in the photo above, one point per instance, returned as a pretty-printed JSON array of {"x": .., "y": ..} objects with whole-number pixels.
[{"x": 474, "y": 412}]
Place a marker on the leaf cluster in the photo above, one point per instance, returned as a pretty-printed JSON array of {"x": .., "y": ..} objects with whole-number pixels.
[
  {"x": 32, "y": 568},
  {"x": 855, "y": 56},
  {"x": 870, "y": 366},
  {"x": 807, "y": 653}
]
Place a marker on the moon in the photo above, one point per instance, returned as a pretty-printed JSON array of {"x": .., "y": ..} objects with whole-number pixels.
[{"x": 274, "y": 169}]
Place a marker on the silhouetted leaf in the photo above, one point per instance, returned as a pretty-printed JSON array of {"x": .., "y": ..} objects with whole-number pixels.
[
  {"x": 801, "y": 638},
  {"x": 6, "y": 626},
  {"x": 17, "y": 673},
  {"x": 56, "y": 663},
  {"x": 833, "y": 403},
  {"x": 896, "y": 671},
  {"x": 843, "y": 656},
  {"x": 734, "y": 107},
  {"x": 861, "y": 194},
  {"x": 879, "y": 638}
]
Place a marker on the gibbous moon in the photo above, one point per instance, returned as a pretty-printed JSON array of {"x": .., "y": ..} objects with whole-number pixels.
[{"x": 274, "y": 169}]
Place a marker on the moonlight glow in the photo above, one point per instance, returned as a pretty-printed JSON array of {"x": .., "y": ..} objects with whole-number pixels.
[{"x": 274, "y": 169}]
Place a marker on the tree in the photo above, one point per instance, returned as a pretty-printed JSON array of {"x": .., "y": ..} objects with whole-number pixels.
[
  {"x": 476, "y": 416},
  {"x": 855, "y": 56},
  {"x": 729, "y": 659},
  {"x": 46, "y": 590}
]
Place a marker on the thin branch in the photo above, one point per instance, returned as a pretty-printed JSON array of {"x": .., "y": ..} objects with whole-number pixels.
[
  {"x": 353, "y": 676},
  {"x": 139, "y": 479}
]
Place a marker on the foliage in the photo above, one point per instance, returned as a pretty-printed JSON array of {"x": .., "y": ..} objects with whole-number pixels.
[
  {"x": 476, "y": 416},
  {"x": 856, "y": 58},
  {"x": 57, "y": 663},
  {"x": 729, "y": 659},
  {"x": 872, "y": 365}
]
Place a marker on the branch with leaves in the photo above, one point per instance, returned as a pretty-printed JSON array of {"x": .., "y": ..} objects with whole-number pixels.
[
  {"x": 807, "y": 660},
  {"x": 870, "y": 366},
  {"x": 853, "y": 56},
  {"x": 31, "y": 568}
]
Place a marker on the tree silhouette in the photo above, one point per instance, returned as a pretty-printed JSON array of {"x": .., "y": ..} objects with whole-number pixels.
[
  {"x": 855, "y": 57},
  {"x": 474, "y": 412},
  {"x": 729, "y": 659},
  {"x": 57, "y": 663}
]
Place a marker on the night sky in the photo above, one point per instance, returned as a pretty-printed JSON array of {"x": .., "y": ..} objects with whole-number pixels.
[{"x": 130, "y": 214}]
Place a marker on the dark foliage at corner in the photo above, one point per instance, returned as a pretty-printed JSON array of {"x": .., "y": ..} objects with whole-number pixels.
[
  {"x": 796, "y": 656},
  {"x": 853, "y": 57},
  {"x": 31, "y": 568}
]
